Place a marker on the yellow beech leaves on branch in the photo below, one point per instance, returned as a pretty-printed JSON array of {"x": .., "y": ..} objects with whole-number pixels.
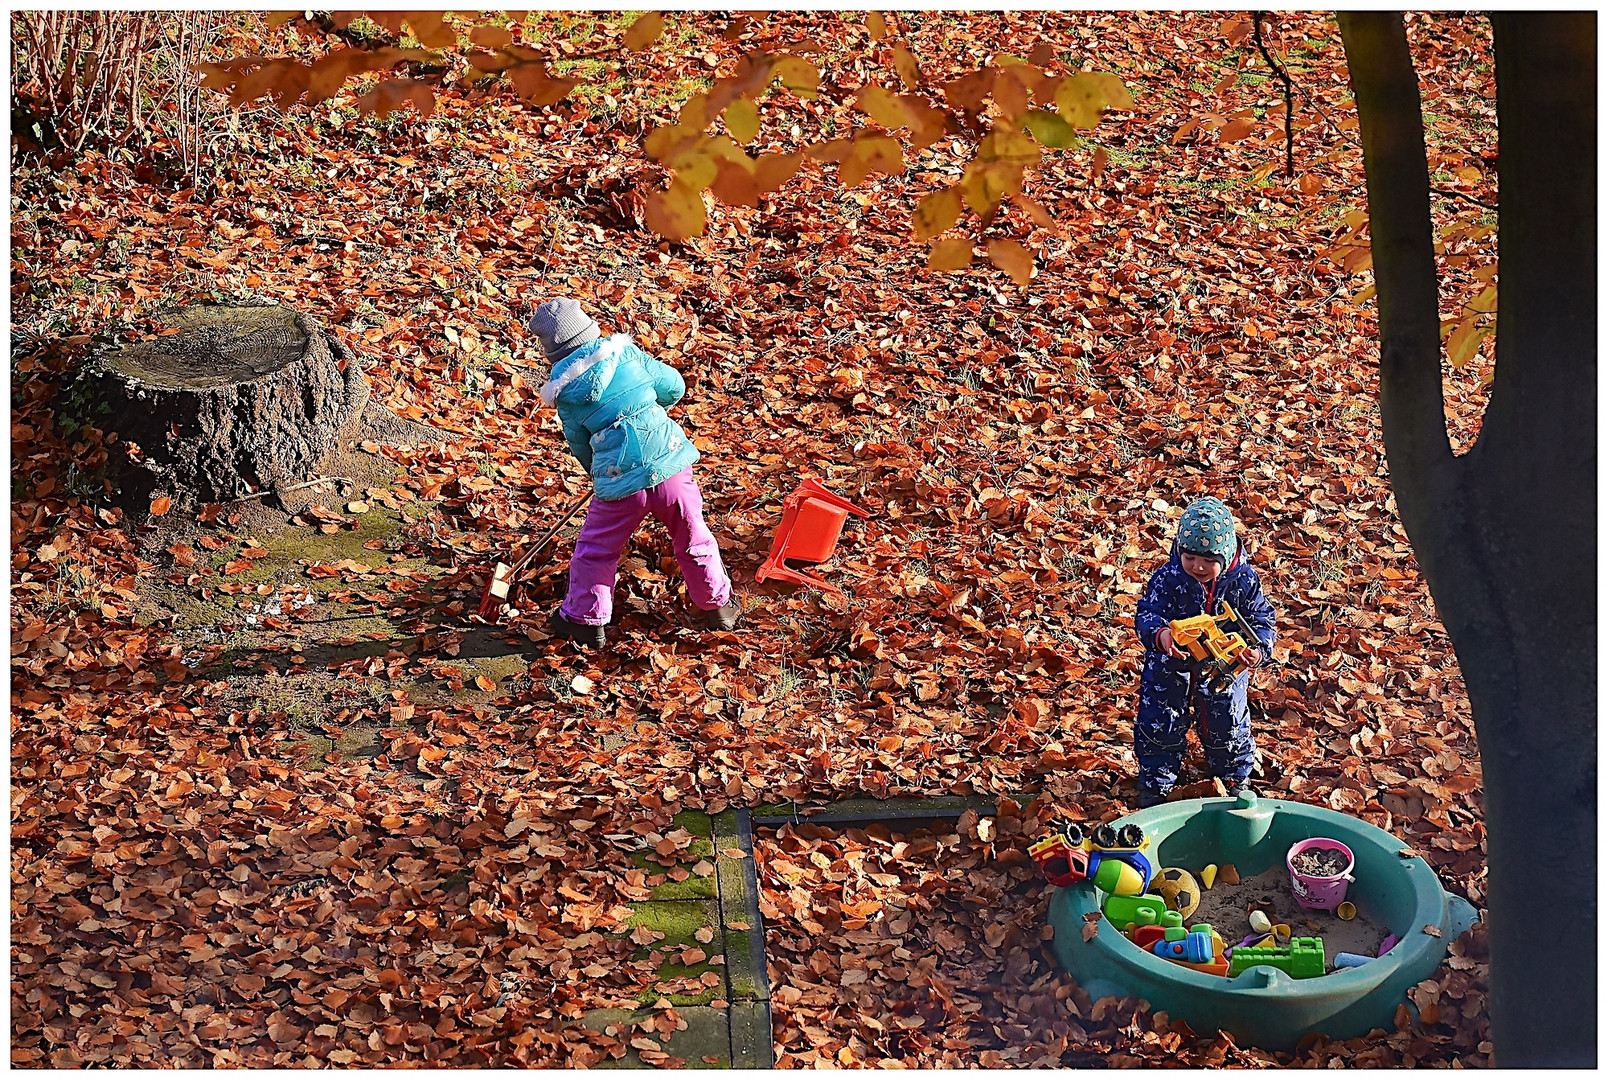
[{"x": 1014, "y": 108}]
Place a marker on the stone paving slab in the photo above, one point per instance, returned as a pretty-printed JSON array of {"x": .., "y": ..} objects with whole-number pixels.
[
  {"x": 679, "y": 921},
  {"x": 739, "y": 908},
  {"x": 869, "y": 810},
  {"x": 707, "y": 1035},
  {"x": 751, "y": 1038}
]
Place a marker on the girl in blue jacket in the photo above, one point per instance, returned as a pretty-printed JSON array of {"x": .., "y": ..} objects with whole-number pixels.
[
  {"x": 1207, "y": 569},
  {"x": 611, "y": 399}
]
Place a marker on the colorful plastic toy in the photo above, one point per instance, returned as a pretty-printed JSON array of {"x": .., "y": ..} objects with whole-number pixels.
[
  {"x": 1302, "y": 958},
  {"x": 1219, "y": 966},
  {"x": 1077, "y": 854},
  {"x": 1126, "y": 845},
  {"x": 812, "y": 521},
  {"x": 1251, "y": 939},
  {"x": 1193, "y": 946},
  {"x": 1349, "y": 960},
  {"x": 1215, "y": 652},
  {"x": 1146, "y": 936},
  {"x": 1150, "y": 933},
  {"x": 1200, "y": 947},
  {"x": 1142, "y": 910},
  {"x": 1311, "y": 891},
  {"x": 1059, "y": 861},
  {"x": 1118, "y": 877}
]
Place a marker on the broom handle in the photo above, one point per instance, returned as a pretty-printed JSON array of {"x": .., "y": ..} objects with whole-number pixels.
[{"x": 565, "y": 520}]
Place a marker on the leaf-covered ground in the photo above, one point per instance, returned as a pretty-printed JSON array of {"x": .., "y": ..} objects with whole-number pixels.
[{"x": 245, "y": 835}]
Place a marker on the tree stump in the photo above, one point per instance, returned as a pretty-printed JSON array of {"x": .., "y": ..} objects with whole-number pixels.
[{"x": 218, "y": 402}]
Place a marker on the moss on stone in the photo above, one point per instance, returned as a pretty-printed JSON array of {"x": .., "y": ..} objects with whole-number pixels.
[
  {"x": 694, "y": 888},
  {"x": 738, "y": 974},
  {"x": 679, "y": 921},
  {"x": 696, "y": 822}
]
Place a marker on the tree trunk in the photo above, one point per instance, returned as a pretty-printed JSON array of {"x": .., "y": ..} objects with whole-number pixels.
[
  {"x": 220, "y": 402},
  {"x": 1506, "y": 535}
]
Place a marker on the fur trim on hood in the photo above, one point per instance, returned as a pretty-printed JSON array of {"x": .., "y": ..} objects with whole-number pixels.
[{"x": 611, "y": 348}]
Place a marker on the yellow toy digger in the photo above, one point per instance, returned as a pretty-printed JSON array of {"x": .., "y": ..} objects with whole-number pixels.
[{"x": 1214, "y": 646}]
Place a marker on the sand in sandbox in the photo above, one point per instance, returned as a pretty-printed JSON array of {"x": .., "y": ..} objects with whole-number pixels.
[{"x": 1225, "y": 907}]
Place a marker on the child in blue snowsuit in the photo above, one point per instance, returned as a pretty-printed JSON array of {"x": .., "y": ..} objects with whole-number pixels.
[{"x": 1207, "y": 569}]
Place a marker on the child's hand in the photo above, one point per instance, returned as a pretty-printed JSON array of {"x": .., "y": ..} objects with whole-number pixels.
[
  {"x": 1164, "y": 640},
  {"x": 1250, "y": 657}
]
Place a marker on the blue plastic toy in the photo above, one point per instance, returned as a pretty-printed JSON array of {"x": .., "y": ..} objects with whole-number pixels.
[{"x": 1194, "y": 947}]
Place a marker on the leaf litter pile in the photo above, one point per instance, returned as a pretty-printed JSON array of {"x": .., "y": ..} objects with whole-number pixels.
[{"x": 195, "y": 882}]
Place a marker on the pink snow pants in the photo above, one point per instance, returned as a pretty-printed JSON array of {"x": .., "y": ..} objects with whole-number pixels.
[{"x": 679, "y": 505}]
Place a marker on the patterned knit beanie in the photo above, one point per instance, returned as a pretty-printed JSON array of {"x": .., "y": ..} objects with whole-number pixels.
[
  {"x": 1207, "y": 528},
  {"x": 563, "y": 327}
]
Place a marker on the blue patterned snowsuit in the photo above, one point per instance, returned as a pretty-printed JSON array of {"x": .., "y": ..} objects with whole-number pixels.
[{"x": 1166, "y": 696}]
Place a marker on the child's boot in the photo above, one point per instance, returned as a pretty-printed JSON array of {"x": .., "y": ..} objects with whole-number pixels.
[
  {"x": 725, "y": 618},
  {"x": 588, "y": 637}
]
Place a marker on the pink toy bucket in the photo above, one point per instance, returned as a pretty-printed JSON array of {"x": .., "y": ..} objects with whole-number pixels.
[{"x": 1319, "y": 893}]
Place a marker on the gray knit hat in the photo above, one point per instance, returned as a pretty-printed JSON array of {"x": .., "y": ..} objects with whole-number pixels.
[
  {"x": 1207, "y": 528},
  {"x": 563, "y": 327}
]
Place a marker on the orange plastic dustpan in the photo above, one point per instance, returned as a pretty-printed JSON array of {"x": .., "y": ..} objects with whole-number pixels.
[{"x": 812, "y": 521}]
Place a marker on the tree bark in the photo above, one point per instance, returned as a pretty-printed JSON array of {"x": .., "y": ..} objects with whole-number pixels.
[
  {"x": 220, "y": 402},
  {"x": 1506, "y": 535}
]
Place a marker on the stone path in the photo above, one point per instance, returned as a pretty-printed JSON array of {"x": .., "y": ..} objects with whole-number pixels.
[{"x": 729, "y": 1024}]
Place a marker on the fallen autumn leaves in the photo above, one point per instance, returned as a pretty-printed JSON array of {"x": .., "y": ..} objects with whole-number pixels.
[{"x": 197, "y": 882}]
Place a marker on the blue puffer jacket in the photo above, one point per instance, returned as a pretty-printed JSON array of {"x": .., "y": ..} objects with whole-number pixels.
[
  {"x": 611, "y": 399},
  {"x": 1173, "y": 594}
]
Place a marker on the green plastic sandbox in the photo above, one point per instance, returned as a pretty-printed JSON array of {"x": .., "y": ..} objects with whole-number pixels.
[{"x": 1263, "y": 1006}]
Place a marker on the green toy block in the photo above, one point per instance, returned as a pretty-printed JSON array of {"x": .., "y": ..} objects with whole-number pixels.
[
  {"x": 1146, "y": 909},
  {"x": 1301, "y": 959}
]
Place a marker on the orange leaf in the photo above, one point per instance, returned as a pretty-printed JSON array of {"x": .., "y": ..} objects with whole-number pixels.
[
  {"x": 968, "y": 91},
  {"x": 533, "y": 83},
  {"x": 490, "y": 37},
  {"x": 160, "y": 505},
  {"x": 937, "y": 213},
  {"x": 431, "y": 31},
  {"x": 676, "y": 213},
  {"x": 904, "y": 62},
  {"x": 1235, "y": 130},
  {"x": 875, "y": 23},
  {"x": 485, "y": 683},
  {"x": 771, "y": 171},
  {"x": 644, "y": 32},
  {"x": 1036, "y": 210},
  {"x": 870, "y": 153},
  {"x": 950, "y": 255},
  {"x": 734, "y": 185},
  {"x": 1012, "y": 258}
]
